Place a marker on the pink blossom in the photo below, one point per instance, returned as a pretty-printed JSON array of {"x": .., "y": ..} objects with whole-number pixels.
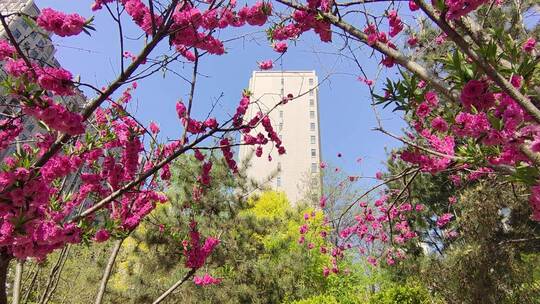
[
  {"x": 413, "y": 6},
  {"x": 322, "y": 201},
  {"x": 439, "y": 124},
  {"x": 303, "y": 229},
  {"x": 368, "y": 82},
  {"x": 195, "y": 253},
  {"x": 529, "y": 45},
  {"x": 412, "y": 41},
  {"x": 475, "y": 93},
  {"x": 6, "y": 49},
  {"x": 266, "y": 65},
  {"x": 205, "y": 280},
  {"x": 444, "y": 219},
  {"x": 423, "y": 110},
  {"x": 431, "y": 98},
  {"x": 154, "y": 128},
  {"x": 101, "y": 236},
  {"x": 280, "y": 47},
  {"x": 181, "y": 109},
  {"x": 440, "y": 39},
  {"x": 59, "y": 23}
]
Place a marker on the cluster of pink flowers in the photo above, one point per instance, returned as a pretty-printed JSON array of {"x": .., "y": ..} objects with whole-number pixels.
[
  {"x": 460, "y": 8},
  {"x": 225, "y": 146},
  {"x": 60, "y": 166},
  {"x": 59, "y": 23},
  {"x": 374, "y": 36},
  {"x": 44, "y": 230},
  {"x": 9, "y": 130},
  {"x": 196, "y": 254},
  {"x": 476, "y": 93},
  {"x": 102, "y": 235},
  {"x": 303, "y": 21},
  {"x": 412, "y": 41},
  {"x": 368, "y": 82},
  {"x": 444, "y": 219},
  {"x": 280, "y": 47},
  {"x": 194, "y": 126},
  {"x": 189, "y": 20},
  {"x": 413, "y": 6},
  {"x": 266, "y": 65},
  {"x": 529, "y": 45},
  {"x": 272, "y": 134},
  {"x": 17, "y": 68},
  {"x": 205, "y": 174},
  {"x": 238, "y": 118},
  {"x": 205, "y": 280},
  {"x": 98, "y": 4},
  {"x": 396, "y": 26},
  {"x": 56, "y": 80},
  {"x": 471, "y": 125},
  {"x": 140, "y": 14},
  {"x": 257, "y": 14},
  {"x": 57, "y": 117},
  {"x": 6, "y": 49}
]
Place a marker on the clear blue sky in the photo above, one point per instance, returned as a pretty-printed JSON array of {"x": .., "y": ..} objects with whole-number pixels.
[{"x": 345, "y": 111}]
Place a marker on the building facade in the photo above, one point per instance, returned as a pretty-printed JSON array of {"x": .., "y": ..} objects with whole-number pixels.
[{"x": 297, "y": 172}]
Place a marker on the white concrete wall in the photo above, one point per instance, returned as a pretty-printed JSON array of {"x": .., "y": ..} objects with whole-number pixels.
[{"x": 295, "y": 119}]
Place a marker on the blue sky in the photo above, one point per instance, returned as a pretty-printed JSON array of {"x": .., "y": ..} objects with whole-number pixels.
[{"x": 345, "y": 111}]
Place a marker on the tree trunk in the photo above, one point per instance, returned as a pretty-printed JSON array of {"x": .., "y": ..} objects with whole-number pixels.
[
  {"x": 108, "y": 270},
  {"x": 16, "y": 298},
  {"x": 176, "y": 285},
  {"x": 4, "y": 266}
]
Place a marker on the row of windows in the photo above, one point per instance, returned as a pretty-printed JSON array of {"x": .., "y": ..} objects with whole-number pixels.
[{"x": 313, "y": 170}]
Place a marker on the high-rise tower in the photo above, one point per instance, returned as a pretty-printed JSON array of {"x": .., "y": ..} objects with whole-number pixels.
[{"x": 297, "y": 124}]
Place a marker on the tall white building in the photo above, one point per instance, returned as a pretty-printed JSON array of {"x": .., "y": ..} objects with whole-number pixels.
[{"x": 297, "y": 172}]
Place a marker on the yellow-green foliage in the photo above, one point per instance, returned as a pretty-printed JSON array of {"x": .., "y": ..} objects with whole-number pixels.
[
  {"x": 318, "y": 299},
  {"x": 270, "y": 205}
]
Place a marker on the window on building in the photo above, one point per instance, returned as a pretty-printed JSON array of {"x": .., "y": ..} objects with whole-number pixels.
[
  {"x": 312, "y": 139},
  {"x": 312, "y": 126},
  {"x": 282, "y": 92},
  {"x": 24, "y": 24},
  {"x": 311, "y": 93},
  {"x": 312, "y": 102},
  {"x": 282, "y": 81},
  {"x": 278, "y": 181},
  {"x": 312, "y": 114},
  {"x": 313, "y": 167},
  {"x": 311, "y": 81},
  {"x": 280, "y": 114},
  {"x": 280, "y": 126},
  {"x": 313, "y": 153},
  {"x": 16, "y": 33},
  {"x": 279, "y": 166}
]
